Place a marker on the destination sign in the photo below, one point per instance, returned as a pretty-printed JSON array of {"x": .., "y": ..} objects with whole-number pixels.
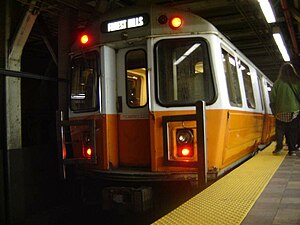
[{"x": 125, "y": 23}]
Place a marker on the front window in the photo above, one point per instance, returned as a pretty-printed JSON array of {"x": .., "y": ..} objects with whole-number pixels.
[
  {"x": 84, "y": 85},
  {"x": 183, "y": 72}
]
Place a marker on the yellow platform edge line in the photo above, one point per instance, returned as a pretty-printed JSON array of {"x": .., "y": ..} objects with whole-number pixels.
[{"x": 228, "y": 200}]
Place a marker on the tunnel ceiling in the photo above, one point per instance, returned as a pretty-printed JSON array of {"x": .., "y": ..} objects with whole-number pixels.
[{"x": 241, "y": 21}]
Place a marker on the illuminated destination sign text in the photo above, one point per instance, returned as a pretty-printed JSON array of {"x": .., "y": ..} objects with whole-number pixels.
[{"x": 125, "y": 23}]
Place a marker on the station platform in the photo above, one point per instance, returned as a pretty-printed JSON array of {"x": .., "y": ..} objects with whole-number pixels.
[{"x": 265, "y": 190}]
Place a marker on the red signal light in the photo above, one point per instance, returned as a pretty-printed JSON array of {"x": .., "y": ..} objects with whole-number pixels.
[
  {"x": 87, "y": 152},
  {"x": 84, "y": 39},
  {"x": 176, "y": 22},
  {"x": 185, "y": 151},
  {"x": 87, "y": 146},
  {"x": 185, "y": 143}
]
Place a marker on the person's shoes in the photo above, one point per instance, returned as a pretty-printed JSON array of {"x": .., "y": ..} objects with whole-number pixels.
[
  {"x": 277, "y": 151},
  {"x": 292, "y": 153}
]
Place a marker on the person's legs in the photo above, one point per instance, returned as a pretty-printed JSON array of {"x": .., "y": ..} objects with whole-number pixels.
[
  {"x": 291, "y": 132},
  {"x": 298, "y": 131},
  {"x": 279, "y": 134}
]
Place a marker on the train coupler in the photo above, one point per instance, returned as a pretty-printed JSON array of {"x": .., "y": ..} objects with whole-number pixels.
[{"x": 127, "y": 198}]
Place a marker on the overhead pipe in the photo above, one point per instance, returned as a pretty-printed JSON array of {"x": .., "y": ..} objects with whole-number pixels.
[{"x": 288, "y": 20}]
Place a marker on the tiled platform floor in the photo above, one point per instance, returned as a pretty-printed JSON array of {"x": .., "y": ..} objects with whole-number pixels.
[{"x": 279, "y": 203}]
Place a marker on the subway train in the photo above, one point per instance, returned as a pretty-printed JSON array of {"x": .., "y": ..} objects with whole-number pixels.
[{"x": 138, "y": 78}]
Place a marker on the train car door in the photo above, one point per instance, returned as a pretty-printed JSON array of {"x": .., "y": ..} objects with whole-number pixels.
[{"x": 133, "y": 110}]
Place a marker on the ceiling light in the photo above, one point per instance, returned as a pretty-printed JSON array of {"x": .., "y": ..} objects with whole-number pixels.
[
  {"x": 279, "y": 41},
  {"x": 267, "y": 11}
]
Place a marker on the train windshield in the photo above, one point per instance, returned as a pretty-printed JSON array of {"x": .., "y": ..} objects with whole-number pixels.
[
  {"x": 84, "y": 85},
  {"x": 183, "y": 72}
]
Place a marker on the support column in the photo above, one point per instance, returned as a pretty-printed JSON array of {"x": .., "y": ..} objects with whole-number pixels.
[
  {"x": 13, "y": 107},
  {"x": 13, "y": 84},
  {"x": 15, "y": 156}
]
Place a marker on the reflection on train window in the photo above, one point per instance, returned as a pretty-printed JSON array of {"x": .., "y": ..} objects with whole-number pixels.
[
  {"x": 84, "y": 86},
  {"x": 136, "y": 79},
  {"x": 248, "y": 85},
  {"x": 269, "y": 88},
  {"x": 232, "y": 80},
  {"x": 183, "y": 72},
  {"x": 260, "y": 85}
]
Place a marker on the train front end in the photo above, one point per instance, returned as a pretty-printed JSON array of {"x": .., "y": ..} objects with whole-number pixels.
[{"x": 135, "y": 84}]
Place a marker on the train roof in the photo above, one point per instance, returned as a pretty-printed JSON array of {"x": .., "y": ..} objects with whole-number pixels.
[{"x": 136, "y": 22}]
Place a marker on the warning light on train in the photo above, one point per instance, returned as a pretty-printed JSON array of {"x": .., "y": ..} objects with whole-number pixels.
[
  {"x": 87, "y": 152},
  {"x": 86, "y": 145},
  {"x": 84, "y": 39},
  {"x": 185, "y": 151},
  {"x": 176, "y": 22},
  {"x": 185, "y": 142}
]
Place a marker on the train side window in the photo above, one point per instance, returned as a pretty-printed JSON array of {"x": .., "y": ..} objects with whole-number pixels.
[
  {"x": 84, "y": 82},
  {"x": 183, "y": 72},
  {"x": 260, "y": 85},
  {"x": 233, "y": 86},
  {"x": 136, "y": 78},
  {"x": 248, "y": 85},
  {"x": 269, "y": 88}
]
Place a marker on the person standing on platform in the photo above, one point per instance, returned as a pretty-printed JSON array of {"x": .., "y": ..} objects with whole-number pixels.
[{"x": 285, "y": 106}]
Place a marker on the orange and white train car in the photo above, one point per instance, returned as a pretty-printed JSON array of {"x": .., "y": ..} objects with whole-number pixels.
[{"x": 135, "y": 79}]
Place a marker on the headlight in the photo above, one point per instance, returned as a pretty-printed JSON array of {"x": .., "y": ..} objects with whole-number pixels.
[{"x": 184, "y": 136}]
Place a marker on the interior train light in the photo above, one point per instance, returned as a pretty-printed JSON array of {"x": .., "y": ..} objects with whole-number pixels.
[
  {"x": 176, "y": 22},
  {"x": 84, "y": 39}
]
